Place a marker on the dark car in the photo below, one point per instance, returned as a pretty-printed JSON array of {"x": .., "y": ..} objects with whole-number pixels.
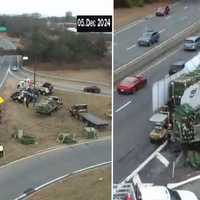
[
  {"x": 148, "y": 38},
  {"x": 92, "y": 89},
  {"x": 161, "y": 11},
  {"x": 177, "y": 66},
  {"x": 131, "y": 84},
  {"x": 192, "y": 43},
  {"x": 49, "y": 86}
]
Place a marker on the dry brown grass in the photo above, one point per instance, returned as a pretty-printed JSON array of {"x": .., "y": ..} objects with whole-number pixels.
[
  {"x": 94, "y": 71},
  {"x": 92, "y": 185},
  {"x": 124, "y": 16},
  {"x": 44, "y": 128}
]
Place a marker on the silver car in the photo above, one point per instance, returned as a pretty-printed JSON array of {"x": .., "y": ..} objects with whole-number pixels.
[
  {"x": 14, "y": 68},
  {"x": 192, "y": 43}
]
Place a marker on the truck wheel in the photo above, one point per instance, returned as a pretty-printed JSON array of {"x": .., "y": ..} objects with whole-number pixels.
[{"x": 152, "y": 141}]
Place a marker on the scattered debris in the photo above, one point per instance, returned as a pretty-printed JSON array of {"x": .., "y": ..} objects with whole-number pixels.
[
  {"x": 89, "y": 132},
  {"x": 66, "y": 138},
  {"x": 49, "y": 105},
  {"x": 80, "y": 111}
]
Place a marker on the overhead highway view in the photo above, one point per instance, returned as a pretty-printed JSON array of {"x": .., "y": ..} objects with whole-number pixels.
[
  {"x": 55, "y": 106},
  {"x": 155, "y": 87}
]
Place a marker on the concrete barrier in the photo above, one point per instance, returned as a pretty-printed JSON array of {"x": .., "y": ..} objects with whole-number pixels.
[{"x": 149, "y": 56}]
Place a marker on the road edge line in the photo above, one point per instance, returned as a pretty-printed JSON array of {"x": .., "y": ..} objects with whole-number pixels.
[
  {"x": 37, "y": 189},
  {"x": 142, "y": 165},
  {"x": 179, "y": 184},
  {"x": 51, "y": 150}
]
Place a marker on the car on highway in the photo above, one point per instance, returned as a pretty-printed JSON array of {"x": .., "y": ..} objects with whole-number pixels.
[
  {"x": 14, "y": 68},
  {"x": 148, "y": 38},
  {"x": 92, "y": 89},
  {"x": 192, "y": 43},
  {"x": 176, "y": 67},
  {"x": 161, "y": 11},
  {"x": 131, "y": 84},
  {"x": 164, "y": 193}
]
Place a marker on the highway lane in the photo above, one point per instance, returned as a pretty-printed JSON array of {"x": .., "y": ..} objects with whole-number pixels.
[
  {"x": 131, "y": 126},
  {"x": 6, "y": 61},
  {"x": 125, "y": 42},
  {"x": 67, "y": 85},
  {"x": 35, "y": 171}
]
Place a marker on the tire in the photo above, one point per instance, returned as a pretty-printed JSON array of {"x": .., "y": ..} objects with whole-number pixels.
[
  {"x": 152, "y": 141},
  {"x": 133, "y": 90}
]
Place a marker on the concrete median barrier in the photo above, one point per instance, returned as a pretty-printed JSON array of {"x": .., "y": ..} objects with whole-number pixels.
[{"x": 145, "y": 59}]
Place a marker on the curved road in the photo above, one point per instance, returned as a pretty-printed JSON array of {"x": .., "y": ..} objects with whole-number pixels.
[
  {"x": 39, "y": 169},
  {"x": 36, "y": 170}
]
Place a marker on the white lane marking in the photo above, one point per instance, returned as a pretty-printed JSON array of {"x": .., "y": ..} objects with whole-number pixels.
[
  {"x": 163, "y": 30},
  {"x": 168, "y": 17},
  {"x": 142, "y": 165},
  {"x": 149, "y": 16},
  {"x": 162, "y": 159},
  {"x": 161, "y": 60},
  {"x": 122, "y": 107},
  {"x": 177, "y": 185},
  {"x": 4, "y": 79},
  {"x": 131, "y": 47},
  {"x": 130, "y": 26},
  {"x": 137, "y": 180},
  {"x": 51, "y": 149},
  {"x": 186, "y": 7},
  {"x": 184, "y": 18},
  {"x": 60, "y": 178}
]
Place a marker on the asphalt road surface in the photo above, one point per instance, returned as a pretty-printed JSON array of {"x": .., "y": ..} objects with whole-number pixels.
[
  {"x": 131, "y": 115},
  {"x": 72, "y": 86},
  {"x": 35, "y": 171},
  {"x": 182, "y": 15},
  {"x": 6, "y": 61}
]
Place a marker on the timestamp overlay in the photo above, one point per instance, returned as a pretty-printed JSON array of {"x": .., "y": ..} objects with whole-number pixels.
[{"x": 94, "y": 23}]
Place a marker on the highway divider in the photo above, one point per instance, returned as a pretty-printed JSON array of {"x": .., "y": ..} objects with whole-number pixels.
[{"x": 148, "y": 57}]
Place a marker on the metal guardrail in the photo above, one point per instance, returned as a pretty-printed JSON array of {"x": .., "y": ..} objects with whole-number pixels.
[
  {"x": 121, "y": 194},
  {"x": 154, "y": 53}
]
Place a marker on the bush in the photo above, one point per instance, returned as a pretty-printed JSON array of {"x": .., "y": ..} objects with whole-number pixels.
[
  {"x": 26, "y": 139},
  {"x": 65, "y": 47}
]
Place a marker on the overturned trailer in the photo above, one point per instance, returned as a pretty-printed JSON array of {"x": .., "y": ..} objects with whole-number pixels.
[
  {"x": 187, "y": 124},
  {"x": 179, "y": 85}
]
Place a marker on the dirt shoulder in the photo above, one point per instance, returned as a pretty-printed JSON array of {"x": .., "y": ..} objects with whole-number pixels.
[
  {"x": 124, "y": 16},
  {"x": 77, "y": 71},
  {"x": 44, "y": 128},
  {"x": 91, "y": 185}
]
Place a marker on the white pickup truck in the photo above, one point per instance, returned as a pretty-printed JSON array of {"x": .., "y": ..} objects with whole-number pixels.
[{"x": 164, "y": 193}]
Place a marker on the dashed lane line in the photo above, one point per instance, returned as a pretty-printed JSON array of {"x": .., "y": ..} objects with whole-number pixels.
[
  {"x": 122, "y": 107},
  {"x": 163, "y": 30},
  {"x": 131, "y": 47}
]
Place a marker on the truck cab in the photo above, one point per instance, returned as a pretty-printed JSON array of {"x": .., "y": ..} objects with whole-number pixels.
[{"x": 160, "y": 132}]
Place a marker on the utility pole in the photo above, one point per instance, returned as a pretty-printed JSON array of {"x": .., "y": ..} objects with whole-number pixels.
[{"x": 34, "y": 73}]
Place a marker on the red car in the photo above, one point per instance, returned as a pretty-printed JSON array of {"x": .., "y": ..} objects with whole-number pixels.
[
  {"x": 131, "y": 84},
  {"x": 163, "y": 11}
]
